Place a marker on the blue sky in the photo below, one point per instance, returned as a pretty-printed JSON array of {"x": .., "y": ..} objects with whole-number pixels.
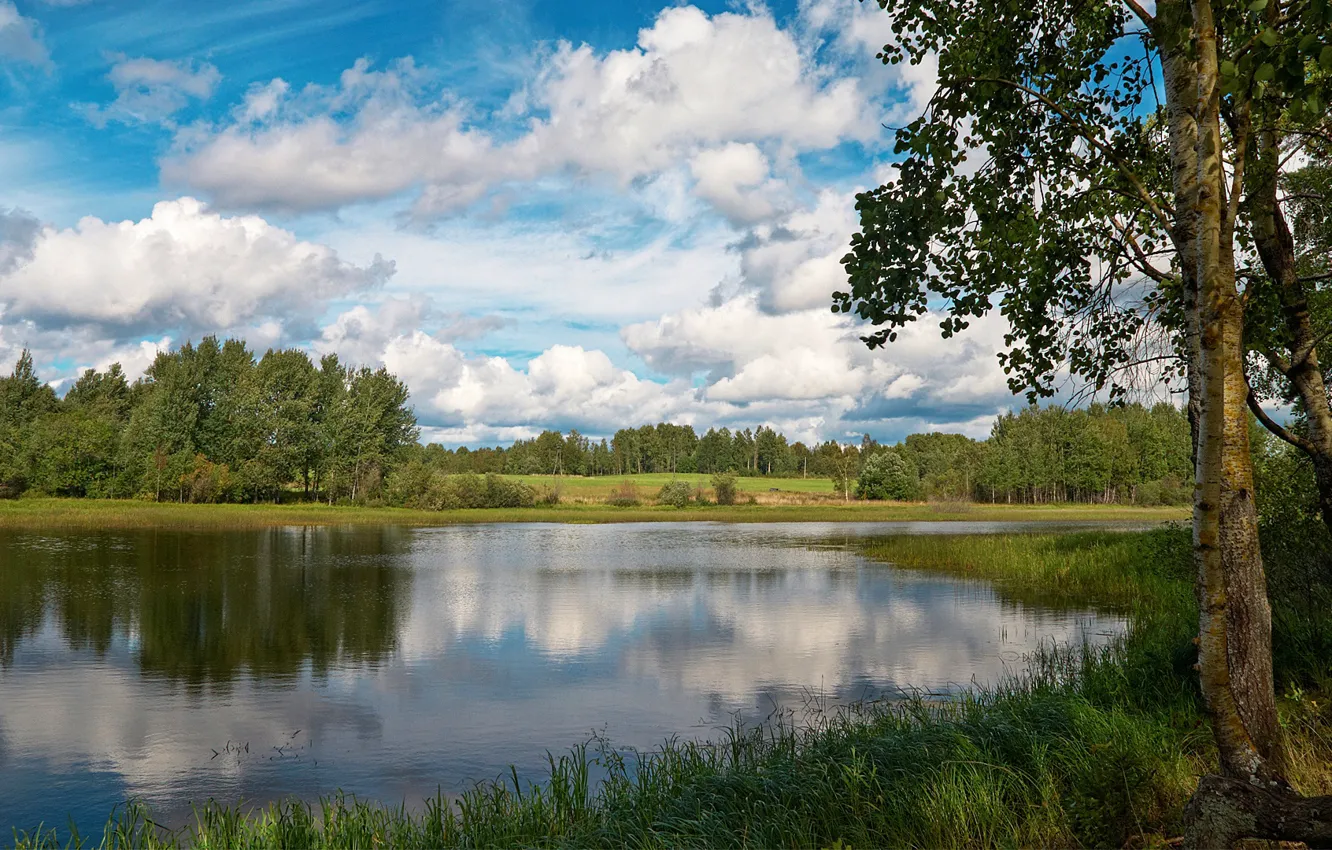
[{"x": 538, "y": 214}]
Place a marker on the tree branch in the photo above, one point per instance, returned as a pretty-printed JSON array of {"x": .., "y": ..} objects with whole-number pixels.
[
  {"x": 1278, "y": 362},
  {"x": 1242, "y": 132},
  {"x": 1276, "y": 428},
  {"x": 1163, "y": 212},
  {"x": 1143, "y": 262},
  {"x": 1141, "y": 12}
]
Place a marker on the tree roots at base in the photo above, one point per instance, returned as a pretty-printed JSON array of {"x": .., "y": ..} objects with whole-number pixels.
[{"x": 1223, "y": 811}]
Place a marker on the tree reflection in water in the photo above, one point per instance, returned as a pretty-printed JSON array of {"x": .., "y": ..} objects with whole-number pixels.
[{"x": 201, "y": 609}]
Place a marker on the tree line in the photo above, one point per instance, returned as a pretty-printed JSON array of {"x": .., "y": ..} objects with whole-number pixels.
[
  {"x": 206, "y": 423},
  {"x": 213, "y": 422},
  {"x": 1108, "y": 454}
]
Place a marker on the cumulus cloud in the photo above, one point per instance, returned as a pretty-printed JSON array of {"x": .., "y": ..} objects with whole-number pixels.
[
  {"x": 753, "y": 357},
  {"x": 184, "y": 267},
  {"x": 696, "y": 89},
  {"x": 363, "y": 333},
  {"x": 290, "y": 152},
  {"x": 18, "y": 235},
  {"x": 735, "y": 179},
  {"x": 20, "y": 39},
  {"x": 795, "y": 264},
  {"x": 858, "y": 32},
  {"x": 153, "y": 90}
]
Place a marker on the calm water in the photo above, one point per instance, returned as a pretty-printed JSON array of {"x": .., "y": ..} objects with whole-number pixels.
[{"x": 391, "y": 662}]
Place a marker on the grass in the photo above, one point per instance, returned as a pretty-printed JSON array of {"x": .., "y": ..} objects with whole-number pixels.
[
  {"x": 127, "y": 514},
  {"x": 1091, "y": 748}
]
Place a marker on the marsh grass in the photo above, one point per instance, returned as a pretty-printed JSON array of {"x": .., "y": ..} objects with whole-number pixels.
[{"x": 1088, "y": 747}]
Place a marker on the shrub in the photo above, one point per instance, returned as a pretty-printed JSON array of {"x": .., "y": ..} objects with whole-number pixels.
[
  {"x": 724, "y": 488},
  {"x": 624, "y": 496},
  {"x": 416, "y": 486},
  {"x": 464, "y": 491},
  {"x": 207, "y": 481},
  {"x": 886, "y": 475},
  {"x": 408, "y": 485},
  {"x": 675, "y": 493},
  {"x": 504, "y": 492}
]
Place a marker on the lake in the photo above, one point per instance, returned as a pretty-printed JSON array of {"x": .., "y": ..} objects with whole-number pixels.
[{"x": 392, "y": 662}]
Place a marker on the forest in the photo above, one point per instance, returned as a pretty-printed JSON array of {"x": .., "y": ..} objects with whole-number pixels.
[
  {"x": 213, "y": 422},
  {"x": 206, "y": 423}
]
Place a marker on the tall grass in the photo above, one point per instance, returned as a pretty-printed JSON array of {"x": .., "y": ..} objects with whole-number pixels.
[{"x": 1091, "y": 747}]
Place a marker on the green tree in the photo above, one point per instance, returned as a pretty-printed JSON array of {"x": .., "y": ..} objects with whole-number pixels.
[
  {"x": 278, "y": 402},
  {"x": 369, "y": 426},
  {"x": 887, "y": 475},
  {"x": 1084, "y": 193},
  {"x": 72, "y": 453},
  {"x": 23, "y": 398},
  {"x": 843, "y": 465}
]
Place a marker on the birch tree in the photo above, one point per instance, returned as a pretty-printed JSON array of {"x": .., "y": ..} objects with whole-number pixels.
[{"x": 1096, "y": 170}]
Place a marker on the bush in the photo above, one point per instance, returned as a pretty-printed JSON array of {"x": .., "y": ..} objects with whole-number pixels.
[
  {"x": 886, "y": 475},
  {"x": 207, "y": 481},
  {"x": 504, "y": 492},
  {"x": 416, "y": 486},
  {"x": 675, "y": 493},
  {"x": 725, "y": 488},
  {"x": 624, "y": 496}
]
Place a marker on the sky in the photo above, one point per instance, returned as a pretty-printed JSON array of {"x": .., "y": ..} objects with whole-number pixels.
[{"x": 538, "y": 214}]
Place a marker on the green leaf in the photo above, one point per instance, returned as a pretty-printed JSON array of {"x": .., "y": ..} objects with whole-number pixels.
[
  {"x": 1269, "y": 37},
  {"x": 1227, "y": 68},
  {"x": 1257, "y": 5},
  {"x": 1325, "y": 58},
  {"x": 1309, "y": 44},
  {"x": 1265, "y": 73}
]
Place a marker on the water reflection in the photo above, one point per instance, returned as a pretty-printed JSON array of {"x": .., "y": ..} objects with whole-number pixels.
[
  {"x": 392, "y": 661},
  {"x": 203, "y": 608}
]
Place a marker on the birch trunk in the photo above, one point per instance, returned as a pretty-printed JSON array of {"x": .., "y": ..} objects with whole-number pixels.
[
  {"x": 1235, "y": 630},
  {"x": 1180, "y": 74}
]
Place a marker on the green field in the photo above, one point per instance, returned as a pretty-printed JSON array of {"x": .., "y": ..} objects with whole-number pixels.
[
  {"x": 579, "y": 487},
  {"x": 109, "y": 513}
]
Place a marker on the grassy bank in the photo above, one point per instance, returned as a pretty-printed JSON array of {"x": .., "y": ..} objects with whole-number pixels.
[
  {"x": 1090, "y": 749},
  {"x": 109, "y": 513}
]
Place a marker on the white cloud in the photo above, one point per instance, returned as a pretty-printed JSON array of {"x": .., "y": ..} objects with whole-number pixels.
[
  {"x": 796, "y": 263},
  {"x": 859, "y": 31},
  {"x": 558, "y": 270},
  {"x": 693, "y": 84},
  {"x": 754, "y": 357},
  {"x": 184, "y": 267},
  {"x": 18, "y": 235},
  {"x": 153, "y": 90},
  {"x": 735, "y": 179},
  {"x": 20, "y": 39},
  {"x": 290, "y": 153}
]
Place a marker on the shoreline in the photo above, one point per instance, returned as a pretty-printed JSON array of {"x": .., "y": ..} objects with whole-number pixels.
[{"x": 110, "y": 514}]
